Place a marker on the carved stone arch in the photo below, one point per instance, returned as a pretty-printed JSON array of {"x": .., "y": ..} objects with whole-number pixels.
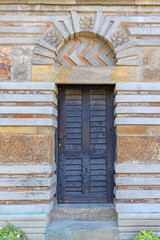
[
  {"x": 77, "y": 25},
  {"x": 86, "y": 50}
]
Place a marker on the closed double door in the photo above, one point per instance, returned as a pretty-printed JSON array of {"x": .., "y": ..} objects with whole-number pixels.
[{"x": 86, "y": 144}]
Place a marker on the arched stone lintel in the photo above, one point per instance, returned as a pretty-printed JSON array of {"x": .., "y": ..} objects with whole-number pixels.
[{"x": 65, "y": 28}]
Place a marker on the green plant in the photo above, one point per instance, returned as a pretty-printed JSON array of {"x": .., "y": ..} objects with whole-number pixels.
[
  {"x": 147, "y": 235},
  {"x": 11, "y": 232}
]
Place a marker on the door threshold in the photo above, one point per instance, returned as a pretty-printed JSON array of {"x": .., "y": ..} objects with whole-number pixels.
[
  {"x": 84, "y": 212},
  {"x": 84, "y": 205}
]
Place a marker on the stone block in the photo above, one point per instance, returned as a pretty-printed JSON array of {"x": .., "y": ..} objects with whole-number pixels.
[
  {"x": 129, "y": 130},
  {"x": 21, "y": 67},
  {"x": 36, "y": 236},
  {"x": 150, "y": 56},
  {"x": 137, "y": 181},
  {"x": 51, "y": 2},
  {"x": 137, "y": 86},
  {"x": 24, "y": 130},
  {"x": 84, "y": 212},
  {"x": 25, "y": 149},
  {"x": 20, "y": 72},
  {"x": 138, "y": 149},
  {"x": 137, "y": 208},
  {"x": 22, "y": 54},
  {"x": 151, "y": 74},
  {"x": 29, "y": 86},
  {"x": 28, "y": 122},
  {"x": 68, "y": 2},
  {"x": 130, "y": 98},
  {"x": 137, "y": 121},
  {"x": 79, "y": 230},
  {"x": 42, "y": 73},
  {"x": 138, "y": 168},
  {"x": 46, "y": 130},
  {"x": 148, "y": 2},
  {"x": 110, "y": 2},
  {"x": 81, "y": 75},
  {"x": 153, "y": 130},
  {"x": 5, "y": 63}
]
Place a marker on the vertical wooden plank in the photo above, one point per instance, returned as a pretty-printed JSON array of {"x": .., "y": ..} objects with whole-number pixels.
[
  {"x": 110, "y": 141},
  {"x": 56, "y": 145},
  {"x": 62, "y": 119},
  {"x": 85, "y": 119},
  {"x": 85, "y": 174},
  {"x": 61, "y": 145},
  {"x": 85, "y": 141}
]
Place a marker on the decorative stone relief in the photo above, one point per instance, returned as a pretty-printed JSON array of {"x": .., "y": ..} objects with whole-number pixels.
[
  {"x": 86, "y": 51},
  {"x": 66, "y": 28},
  {"x": 119, "y": 37},
  {"x": 53, "y": 37},
  {"x": 45, "y": 52},
  {"x": 5, "y": 63},
  {"x": 86, "y": 23}
]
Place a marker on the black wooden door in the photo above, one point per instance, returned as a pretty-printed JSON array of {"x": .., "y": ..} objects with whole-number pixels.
[{"x": 86, "y": 144}]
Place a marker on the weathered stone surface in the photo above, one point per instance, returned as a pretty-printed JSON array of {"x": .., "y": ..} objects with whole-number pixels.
[
  {"x": 131, "y": 130},
  {"x": 151, "y": 56},
  {"x": 154, "y": 130},
  {"x": 26, "y": 149},
  {"x": 46, "y": 130},
  {"x": 5, "y": 63},
  {"x": 138, "y": 149},
  {"x": 81, "y": 75},
  {"x": 11, "y": 129},
  {"x": 20, "y": 72},
  {"x": 83, "y": 212},
  {"x": 21, "y": 67},
  {"x": 148, "y": 2},
  {"x": 151, "y": 74},
  {"x": 42, "y": 73}
]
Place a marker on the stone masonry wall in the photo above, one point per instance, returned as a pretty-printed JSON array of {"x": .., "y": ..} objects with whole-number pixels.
[
  {"x": 138, "y": 155},
  {"x": 27, "y": 170},
  {"x": 35, "y": 41}
]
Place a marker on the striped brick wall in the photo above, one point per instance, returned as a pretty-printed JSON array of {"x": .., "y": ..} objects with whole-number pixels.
[
  {"x": 27, "y": 171},
  {"x": 28, "y": 104},
  {"x": 27, "y": 197},
  {"x": 137, "y": 190}
]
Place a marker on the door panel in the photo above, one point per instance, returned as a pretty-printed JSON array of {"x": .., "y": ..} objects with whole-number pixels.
[{"x": 86, "y": 144}]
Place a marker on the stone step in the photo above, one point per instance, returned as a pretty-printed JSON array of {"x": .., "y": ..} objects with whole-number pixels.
[
  {"x": 82, "y": 230},
  {"x": 91, "y": 212}
]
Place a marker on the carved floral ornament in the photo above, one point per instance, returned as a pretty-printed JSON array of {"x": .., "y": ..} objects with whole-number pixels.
[
  {"x": 119, "y": 37},
  {"x": 86, "y": 23},
  {"x": 53, "y": 37}
]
